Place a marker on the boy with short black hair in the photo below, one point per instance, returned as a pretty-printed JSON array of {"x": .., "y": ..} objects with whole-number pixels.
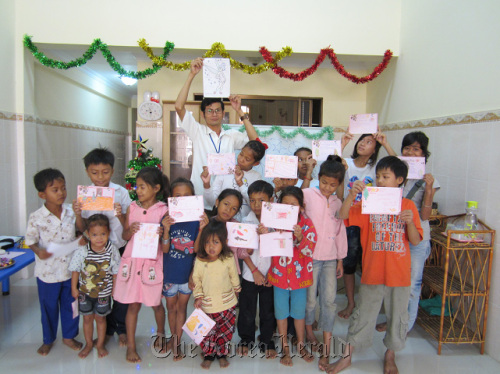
[
  {"x": 99, "y": 165},
  {"x": 244, "y": 175},
  {"x": 386, "y": 266},
  {"x": 53, "y": 222},
  {"x": 254, "y": 284}
]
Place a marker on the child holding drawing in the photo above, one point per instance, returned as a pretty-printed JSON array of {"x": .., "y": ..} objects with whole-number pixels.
[
  {"x": 140, "y": 280},
  {"x": 217, "y": 286},
  {"x": 254, "y": 284},
  {"x": 251, "y": 155},
  {"x": 322, "y": 206},
  {"x": 291, "y": 277},
  {"x": 177, "y": 266}
]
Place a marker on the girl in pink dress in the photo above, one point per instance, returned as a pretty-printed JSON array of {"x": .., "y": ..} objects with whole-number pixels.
[{"x": 140, "y": 280}]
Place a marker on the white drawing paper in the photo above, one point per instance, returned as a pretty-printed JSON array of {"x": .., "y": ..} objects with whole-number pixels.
[
  {"x": 416, "y": 167},
  {"x": 216, "y": 77},
  {"x": 146, "y": 241},
  {"x": 185, "y": 208},
  {"x": 381, "y": 200},
  {"x": 198, "y": 325},
  {"x": 74, "y": 308},
  {"x": 62, "y": 249},
  {"x": 242, "y": 235},
  {"x": 276, "y": 244},
  {"x": 221, "y": 163},
  {"x": 321, "y": 149},
  {"x": 279, "y": 216},
  {"x": 279, "y": 166},
  {"x": 363, "y": 123}
]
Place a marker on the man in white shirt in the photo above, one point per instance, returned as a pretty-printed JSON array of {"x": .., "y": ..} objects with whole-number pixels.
[{"x": 210, "y": 138}]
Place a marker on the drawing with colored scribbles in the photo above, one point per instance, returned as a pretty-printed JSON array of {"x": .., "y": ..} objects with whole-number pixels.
[
  {"x": 198, "y": 325},
  {"x": 242, "y": 235},
  {"x": 216, "y": 77},
  {"x": 96, "y": 198}
]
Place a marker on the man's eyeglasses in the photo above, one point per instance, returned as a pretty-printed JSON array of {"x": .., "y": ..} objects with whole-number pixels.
[{"x": 212, "y": 111}]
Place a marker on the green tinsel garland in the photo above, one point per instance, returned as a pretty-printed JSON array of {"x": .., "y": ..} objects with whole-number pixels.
[
  {"x": 96, "y": 45},
  {"x": 292, "y": 134}
]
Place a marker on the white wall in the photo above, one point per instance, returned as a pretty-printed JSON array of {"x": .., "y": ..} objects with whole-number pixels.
[
  {"x": 352, "y": 27},
  {"x": 7, "y": 62},
  {"x": 447, "y": 65}
]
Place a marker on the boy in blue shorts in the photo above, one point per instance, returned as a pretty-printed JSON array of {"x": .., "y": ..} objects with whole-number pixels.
[{"x": 53, "y": 222}]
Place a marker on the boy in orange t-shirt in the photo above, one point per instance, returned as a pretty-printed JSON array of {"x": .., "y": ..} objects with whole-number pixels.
[{"x": 386, "y": 266}]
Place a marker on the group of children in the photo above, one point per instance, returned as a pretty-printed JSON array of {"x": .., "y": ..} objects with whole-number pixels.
[{"x": 194, "y": 257}]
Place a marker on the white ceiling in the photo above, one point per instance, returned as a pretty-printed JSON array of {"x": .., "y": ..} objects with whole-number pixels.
[{"x": 98, "y": 68}]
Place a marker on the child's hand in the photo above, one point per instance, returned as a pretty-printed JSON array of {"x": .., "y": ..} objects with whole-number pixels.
[
  {"x": 83, "y": 240},
  {"x": 196, "y": 65},
  {"x": 166, "y": 222},
  {"x": 344, "y": 162},
  {"x": 74, "y": 293},
  {"x": 250, "y": 251},
  {"x": 159, "y": 231},
  {"x": 77, "y": 208},
  {"x": 297, "y": 231},
  {"x": 346, "y": 138},
  {"x": 356, "y": 188},
  {"x": 203, "y": 221},
  {"x": 340, "y": 269},
  {"x": 43, "y": 254},
  {"x": 258, "y": 278},
  {"x": 134, "y": 227},
  {"x": 311, "y": 163},
  {"x": 278, "y": 184},
  {"x": 238, "y": 176},
  {"x": 205, "y": 177},
  {"x": 407, "y": 216},
  {"x": 118, "y": 209},
  {"x": 197, "y": 303},
  {"x": 261, "y": 229},
  {"x": 429, "y": 181},
  {"x": 381, "y": 138}
]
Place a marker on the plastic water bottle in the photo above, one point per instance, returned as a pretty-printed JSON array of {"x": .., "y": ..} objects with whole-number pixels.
[{"x": 471, "y": 216}]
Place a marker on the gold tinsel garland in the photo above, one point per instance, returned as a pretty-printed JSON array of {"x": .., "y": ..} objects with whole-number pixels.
[{"x": 221, "y": 50}]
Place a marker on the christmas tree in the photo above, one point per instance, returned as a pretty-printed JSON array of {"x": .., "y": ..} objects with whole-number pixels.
[{"x": 143, "y": 159}]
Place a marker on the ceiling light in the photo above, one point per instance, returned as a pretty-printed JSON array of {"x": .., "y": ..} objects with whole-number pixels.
[{"x": 128, "y": 81}]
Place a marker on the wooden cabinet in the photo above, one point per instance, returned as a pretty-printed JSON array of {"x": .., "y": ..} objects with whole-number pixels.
[{"x": 460, "y": 273}]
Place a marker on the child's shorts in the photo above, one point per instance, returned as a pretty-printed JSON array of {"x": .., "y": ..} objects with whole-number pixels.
[
  {"x": 172, "y": 289},
  {"x": 354, "y": 250},
  {"x": 100, "y": 306},
  {"x": 290, "y": 303}
]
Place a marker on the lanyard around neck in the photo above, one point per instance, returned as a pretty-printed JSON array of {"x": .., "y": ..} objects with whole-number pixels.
[{"x": 216, "y": 150}]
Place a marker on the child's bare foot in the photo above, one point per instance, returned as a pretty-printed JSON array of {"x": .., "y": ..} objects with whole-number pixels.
[
  {"x": 223, "y": 362},
  {"x": 381, "y": 326},
  {"x": 314, "y": 342},
  {"x": 206, "y": 364},
  {"x": 161, "y": 345},
  {"x": 179, "y": 355},
  {"x": 132, "y": 356},
  {"x": 315, "y": 326},
  {"x": 286, "y": 360},
  {"x": 106, "y": 340},
  {"x": 122, "y": 340},
  {"x": 305, "y": 354},
  {"x": 346, "y": 313},
  {"x": 73, "y": 344},
  {"x": 242, "y": 350},
  {"x": 338, "y": 366},
  {"x": 390, "y": 363},
  {"x": 86, "y": 350},
  {"x": 323, "y": 363},
  {"x": 44, "y": 349},
  {"x": 271, "y": 354},
  {"x": 102, "y": 351}
]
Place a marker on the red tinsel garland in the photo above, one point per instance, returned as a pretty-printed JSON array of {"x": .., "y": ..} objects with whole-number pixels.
[{"x": 297, "y": 77}]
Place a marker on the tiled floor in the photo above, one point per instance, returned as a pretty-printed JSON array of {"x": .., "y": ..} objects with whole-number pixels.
[{"x": 20, "y": 336}]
